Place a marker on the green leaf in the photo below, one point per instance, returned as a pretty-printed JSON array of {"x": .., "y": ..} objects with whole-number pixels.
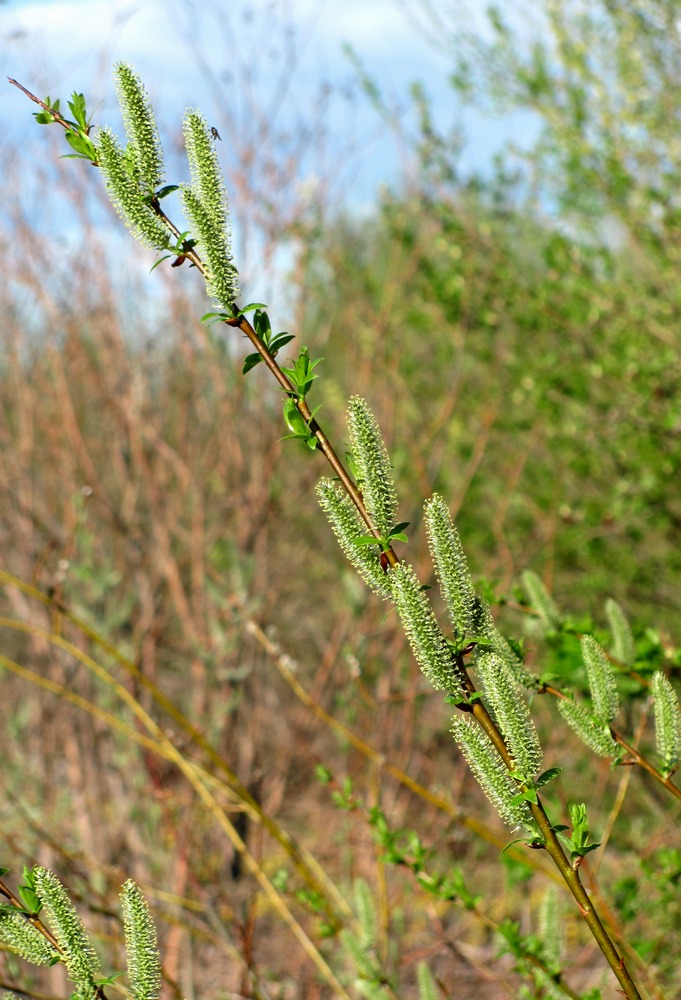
[
  {"x": 302, "y": 374},
  {"x": 294, "y": 419},
  {"x": 160, "y": 260},
  {"x": 583, "y": 851},
  {"x": 83, "y": 146},
  {"x": 367, "y": 540},
  {"x": 44, "y": 117},
  {"x": 30, "y": 899},
  {"x": 165, "y": 191},
  {"x": 77, "y": 106},
  {"x": 245, "y": 309},
  {"x": 280, "y": 341},
  {"x": 399, "y": 528},
  {"x": 250, "y": 361},
  {"x": 547, "y": 776},
  {"x": 529, "y": 795},
  {"x": 322, "y": 774},
  {"x": 215, "y": 317},
  {"x": 262, "y": 325},
  {"x": 108, "y": 980}
]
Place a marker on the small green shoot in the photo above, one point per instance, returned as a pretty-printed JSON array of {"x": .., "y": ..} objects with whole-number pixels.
[
  {"x": 578, "y": 844},
  {"x": 28, "y": 894},
  {"x": 529, "y": 793},
  {"x": 302, "y": 374},
  {"x": 77, "y": 132},
  {"x": 272, "y": 342}
]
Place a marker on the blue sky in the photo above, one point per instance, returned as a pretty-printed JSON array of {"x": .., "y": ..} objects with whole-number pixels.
[
  {"x": 57, "y": 46},
  {"x": 277, "y": 63}
]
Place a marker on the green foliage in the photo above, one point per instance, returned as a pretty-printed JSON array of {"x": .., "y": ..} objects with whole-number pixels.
[
  {"x": 534, "y": 958},
  {"x": 77, "y": 133},
  {"x": 578, "y": 844},
  {"x": 273, "y": 342},
  {"x": 301, "y": 375},
  {"x": 517, "y": 342}
]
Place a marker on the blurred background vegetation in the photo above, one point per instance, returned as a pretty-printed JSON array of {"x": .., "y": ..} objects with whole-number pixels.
[{"x": 517, "y": 334}]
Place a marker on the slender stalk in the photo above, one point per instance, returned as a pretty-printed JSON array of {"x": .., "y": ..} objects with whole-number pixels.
[{"x": 551, "y": 843}]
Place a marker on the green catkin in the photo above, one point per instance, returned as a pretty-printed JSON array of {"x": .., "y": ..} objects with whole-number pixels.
[
  {"x": 126, "y": 196},
  {"x": 511, "y": 713},
  {"x": 451, "y": 566},
  {"x": 144, "y": 963},
  {"x": 428, "y": 644},
  {"x": 541, "y": 601},
  {"x": 374, "y": 472},
  {"x": 77, "y": 952},
  {"x": 484, "y": 627},
  {"x": 602, "y": 680},
  {"x": 206, "y": 205},
  {"x": 594, "y": 733},
  {"x": 491, "y": 773},
  {"x": 140, "y": 126},
  {"x": 667, "y": 722},
  {"x": 348, "y": 526},
  {"x": 19, "y": 934},
  {"x": 623, "y": 646},
  {"x": 428, "y": 989}
]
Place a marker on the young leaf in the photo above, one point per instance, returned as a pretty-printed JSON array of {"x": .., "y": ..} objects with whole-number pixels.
[{"x": 77, "y": 106}]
